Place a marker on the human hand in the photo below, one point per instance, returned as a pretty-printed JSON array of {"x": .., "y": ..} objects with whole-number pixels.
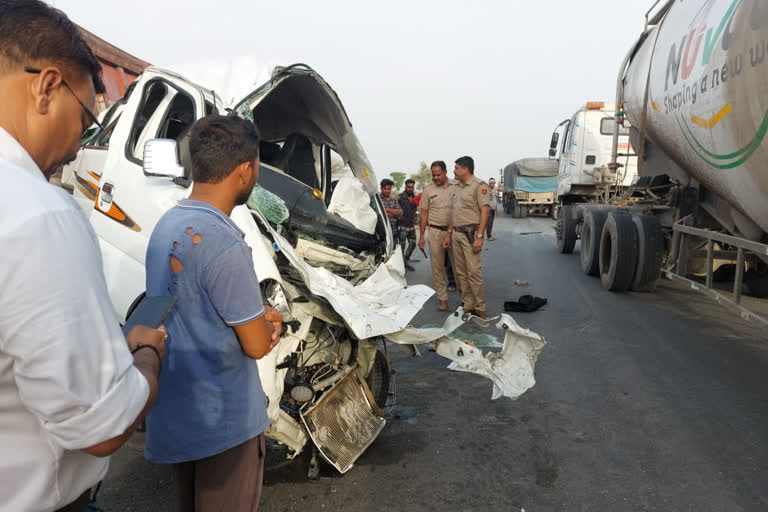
[
  {"x": 144, "y": 335},
  {"x": 422, "y": 243},
  {"x": 447, "y": 242},
  {"x": 477, "y": 245},
  {"x": 274, "y": 317}
]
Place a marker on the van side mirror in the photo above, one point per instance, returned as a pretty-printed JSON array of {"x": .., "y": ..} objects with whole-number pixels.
[
  {"x": 552, "y": 152},
  {"x": 553, "y": 143},
  {"x": 161, "y": 161}
]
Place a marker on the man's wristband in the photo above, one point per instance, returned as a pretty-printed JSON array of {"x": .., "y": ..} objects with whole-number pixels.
[{"x": 153, "y": 349}]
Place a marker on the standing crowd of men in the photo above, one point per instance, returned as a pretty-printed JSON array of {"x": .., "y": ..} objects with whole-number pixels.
[{"x": 454, "y": 216}]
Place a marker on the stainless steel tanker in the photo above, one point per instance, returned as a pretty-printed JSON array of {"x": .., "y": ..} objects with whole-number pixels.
[
  {"x": 697, "y": 84},
  {"x": 694, "y": 90}
]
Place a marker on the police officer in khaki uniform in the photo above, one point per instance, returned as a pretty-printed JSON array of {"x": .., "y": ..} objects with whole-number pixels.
[
  {"x": 471, "y": 207},
  {"x": 436, "y": 205}
]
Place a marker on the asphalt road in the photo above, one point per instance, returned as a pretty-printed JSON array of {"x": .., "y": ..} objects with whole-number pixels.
[{"x": 643, "y": 402}]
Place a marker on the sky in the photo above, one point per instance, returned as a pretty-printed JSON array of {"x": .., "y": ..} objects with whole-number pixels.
[{"x": 420, "y": 80}]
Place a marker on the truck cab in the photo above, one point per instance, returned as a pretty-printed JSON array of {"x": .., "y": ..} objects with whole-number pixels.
[{"x": 582, "y": 146}]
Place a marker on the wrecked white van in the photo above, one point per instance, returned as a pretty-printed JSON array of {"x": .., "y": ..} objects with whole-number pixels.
[
  {"x": 321, "y": 244},
  {"x": 322, "y": 247}
]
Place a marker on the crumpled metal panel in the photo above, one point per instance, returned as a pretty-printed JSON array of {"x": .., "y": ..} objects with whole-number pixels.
[
  {"x": 511, "y": 370},
  {"x": 344, "y": 422}
]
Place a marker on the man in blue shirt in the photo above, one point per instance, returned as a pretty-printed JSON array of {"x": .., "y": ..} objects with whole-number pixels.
[{"x": 211, "y": 414}]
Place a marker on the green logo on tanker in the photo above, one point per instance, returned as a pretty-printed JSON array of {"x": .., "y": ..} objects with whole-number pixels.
[{"x": 682, "y": 61}]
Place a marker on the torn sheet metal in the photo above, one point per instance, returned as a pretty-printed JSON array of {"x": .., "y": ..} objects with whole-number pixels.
[
  {"x": 380, "y": 305},
  {"x": 511, "y": 370}
]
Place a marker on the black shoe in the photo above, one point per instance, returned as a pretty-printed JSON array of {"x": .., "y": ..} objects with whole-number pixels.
[{"x": 409, "y": 268}]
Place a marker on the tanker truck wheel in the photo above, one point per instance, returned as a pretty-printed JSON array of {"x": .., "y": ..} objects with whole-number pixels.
[
  {"x": 590, "y": 241},
  {"x": 565, "y": 229},
  {"x": 650, "y": 252},
  {"x": 618, "y": 252}
]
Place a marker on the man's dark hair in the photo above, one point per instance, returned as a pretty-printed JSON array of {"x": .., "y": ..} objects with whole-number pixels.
[
  {"x": 409, "y": 180},
  {"x": 31, "y": 30},
  {"x": 466, "y": 161},
  {"x": 387, "y": 181},
  {"x": 440, "y": 164},
  {"x": 218, "y": 144}
]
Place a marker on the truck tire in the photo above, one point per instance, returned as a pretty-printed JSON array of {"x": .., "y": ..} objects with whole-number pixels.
[
  {"x": 591, "y": 230},
  {"x": 618, "y": 252},
  {"x": 523, "y": 211},
  {"x": 650, "y": 252},
  {"x": 565, "y": 229},
  {"x": 379, "y": 378}
]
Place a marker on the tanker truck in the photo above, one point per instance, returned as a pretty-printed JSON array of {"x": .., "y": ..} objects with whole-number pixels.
[
  {"x": 581, "y": 148},
  {"x": 694, "y": 89},
  {"x": 530, "y": 187}
]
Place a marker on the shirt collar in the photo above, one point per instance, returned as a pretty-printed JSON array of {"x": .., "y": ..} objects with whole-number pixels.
[
  {"x": 13, "y": 152},
  {"x": 200, "y": 205}
]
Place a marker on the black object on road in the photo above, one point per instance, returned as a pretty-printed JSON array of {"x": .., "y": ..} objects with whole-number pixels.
[{"x": 525, "y": 304}]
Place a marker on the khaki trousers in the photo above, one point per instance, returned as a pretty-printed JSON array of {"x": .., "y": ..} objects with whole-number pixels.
[
  {"x": 468, "y": 268},
  {"x": 437, "y": 260}
]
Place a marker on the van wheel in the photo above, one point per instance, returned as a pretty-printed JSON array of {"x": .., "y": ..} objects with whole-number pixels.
[
  {"x": 590, "y": 241},
  {"x": 650, "y": 252},
  {"x": 565, "y": 229},
  {"x": 618, "y": 252},
  {"x": 379, "y": 378}
]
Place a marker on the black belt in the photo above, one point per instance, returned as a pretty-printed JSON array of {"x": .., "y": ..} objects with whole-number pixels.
[
  {"x": 441, "y": 228},
  {"x": 465, "y": 229}
]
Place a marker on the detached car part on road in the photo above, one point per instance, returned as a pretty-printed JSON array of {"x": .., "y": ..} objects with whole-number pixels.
[{"x": 325, "y": 260}]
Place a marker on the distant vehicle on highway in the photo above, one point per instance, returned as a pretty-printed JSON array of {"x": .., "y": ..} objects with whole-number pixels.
[{"x": 530, "y": 187}]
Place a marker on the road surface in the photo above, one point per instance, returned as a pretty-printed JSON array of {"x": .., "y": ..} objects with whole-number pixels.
[{"x": 644, "y": 402}]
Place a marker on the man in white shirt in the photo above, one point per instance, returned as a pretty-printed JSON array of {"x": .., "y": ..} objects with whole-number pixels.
[{"x": 71, "y": 392}]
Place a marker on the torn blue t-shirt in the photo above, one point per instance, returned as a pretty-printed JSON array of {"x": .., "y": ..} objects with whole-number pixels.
[{"x": 210, "y": 396}]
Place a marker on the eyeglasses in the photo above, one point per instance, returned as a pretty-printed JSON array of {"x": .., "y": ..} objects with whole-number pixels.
[{"x": 91, "y": 115}]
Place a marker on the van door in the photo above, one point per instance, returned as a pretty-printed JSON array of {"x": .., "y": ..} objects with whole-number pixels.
[{"x": 129, "y": 204}]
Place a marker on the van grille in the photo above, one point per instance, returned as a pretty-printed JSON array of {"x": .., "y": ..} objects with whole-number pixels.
[{"x": 344, "y": 422}]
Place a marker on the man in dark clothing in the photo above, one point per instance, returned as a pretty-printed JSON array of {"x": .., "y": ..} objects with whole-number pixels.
[{"x": 407, "y": 231}]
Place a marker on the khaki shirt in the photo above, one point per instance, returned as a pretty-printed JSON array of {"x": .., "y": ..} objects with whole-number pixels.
[
  {"x": 438, "y": 201},
  {"x": 469, "y": 198}
]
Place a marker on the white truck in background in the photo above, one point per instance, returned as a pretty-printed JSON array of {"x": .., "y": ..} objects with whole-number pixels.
[
  {"x": 582, "y": 146},
  {"x": 695, "y": 89}
]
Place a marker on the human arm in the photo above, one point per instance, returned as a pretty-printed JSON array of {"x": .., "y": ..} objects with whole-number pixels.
[
  {"x": 423, "y": 221},
  {"x": 394, "y": 212},
  {"x": 447, "y": 239},
  {"x": 477, "y": 243},
  {"x": 71, "y": 367},
  {"x": 258, "y": 337},
  {"x": 234, "y": 290},
  {"x": 148, "y": 363}
]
